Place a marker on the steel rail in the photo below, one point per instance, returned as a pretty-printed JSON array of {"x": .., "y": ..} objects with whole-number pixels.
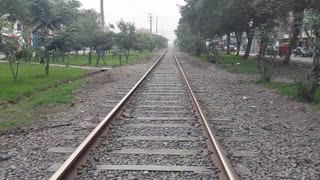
[
  {"x": 69, "y": 167},
  {"x": 227, "y": 168}
]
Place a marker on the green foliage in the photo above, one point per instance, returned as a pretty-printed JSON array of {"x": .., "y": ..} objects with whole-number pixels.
[
  {"x": 267, "y": 58},
  {"x": 308, "y": 87},
  {"x": 189, "y": 42},
  {"x": 127, "y": 36},
  {"x": 65, "y": 39},
  {"x": 211, "y": 19},
  {"x": 16, "y": 9}
]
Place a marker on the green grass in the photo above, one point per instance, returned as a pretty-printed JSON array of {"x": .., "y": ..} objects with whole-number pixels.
[
  {"x": 290, "y": 90},
  {"x": 236, "y": 64},
  {"x": 21, "y": 101},
  {"x": 26, "y": 113},
  {"x": 239, "y": 65},
  {"x": 32, "y": 80},
  {"x": 80, "y": 60},
  {"x": 283, "y": 88}
]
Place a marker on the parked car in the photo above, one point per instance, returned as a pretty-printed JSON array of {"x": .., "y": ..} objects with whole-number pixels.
[
  {"x": 232, "y": 48},
  {"x": 304, "y": 52}
]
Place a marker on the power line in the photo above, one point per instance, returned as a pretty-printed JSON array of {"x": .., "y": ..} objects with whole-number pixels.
[
  {"x": 150, "y": 18},
  {"x": 102, "y": 15},
  {"x": 157, "y": 21}
]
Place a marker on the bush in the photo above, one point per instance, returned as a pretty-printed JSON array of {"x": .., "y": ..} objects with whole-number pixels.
[{"x": 306, "y": 89}]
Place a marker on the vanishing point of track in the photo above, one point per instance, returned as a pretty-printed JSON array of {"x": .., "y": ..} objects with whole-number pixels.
[{"x": 158, "y": 130}]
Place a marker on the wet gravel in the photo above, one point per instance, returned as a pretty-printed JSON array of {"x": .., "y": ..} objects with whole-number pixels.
[
  {"x": 284, "y": 133},
  {"x": 24, "y": 154}
]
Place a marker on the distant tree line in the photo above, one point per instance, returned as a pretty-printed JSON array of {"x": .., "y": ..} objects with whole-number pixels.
[{"x": 58, "y": 28}]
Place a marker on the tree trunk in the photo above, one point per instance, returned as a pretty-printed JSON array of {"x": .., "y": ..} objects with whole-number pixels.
[
  {"x": 239, "y": 39},
  {"x": 297, "y": 25},
  {"x": 90, "y": 55},
  {"x": 250, "y": 39},
  {"x": 127, "y": 56},
  {"x": 36, "y": 57},
  {"x": 98, "y": 58},
  {"x": 84, "y": 52},
  {"x": 12, "y": 69},
  {"x": 120, "y": 58},
  {"x": 68, "y": 61},
  {"x": 228, "y": 42},
  {"x": 17, "y": 68},
  {"x": 48, "y": 64}
]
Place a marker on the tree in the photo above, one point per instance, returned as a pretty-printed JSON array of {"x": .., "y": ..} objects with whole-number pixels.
[
  {"x": 215, "y": 18},
  {"x": 49, "y": 17},
  {"x": 64, "y": 40},
  {"x": 144, "y": 41},
  {"x": 266, "y": 60},
  {"x": 89, "y": 27},
  {"x": 125, "y": 38},
  {"x": 308, "y": 87},
  {"x": 103, "y": 42},
  {"x": 298, "y": 7},
  {"x": 160, "y": 42},
  {"x": 16, "y": 9}
]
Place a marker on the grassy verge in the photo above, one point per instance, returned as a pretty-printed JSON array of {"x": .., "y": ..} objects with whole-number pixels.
[
  {"x": 290, "y": 90},
  {"x": 28, "y": 111},
  {"x": 33, "y": 94},
  {"x": 235, "y": 64},
  {"x": 80, "y": 60},
  {"x": 32, "y": 80}
]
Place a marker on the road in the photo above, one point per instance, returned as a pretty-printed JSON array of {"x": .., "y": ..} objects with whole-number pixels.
[{"x": 293, "y": 58}]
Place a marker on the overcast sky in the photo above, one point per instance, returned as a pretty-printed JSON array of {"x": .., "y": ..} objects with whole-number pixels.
[{"x": 137, "y": 11}]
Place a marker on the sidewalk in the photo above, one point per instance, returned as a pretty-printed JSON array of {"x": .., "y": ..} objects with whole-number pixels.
[{"x": 70, "y": 66}]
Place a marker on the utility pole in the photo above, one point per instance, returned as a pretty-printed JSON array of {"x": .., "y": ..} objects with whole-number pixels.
[
  {"x": 102, "y": 14},
  {"x": 151, "y": 22},
  {"x": 157, "y": 25}
]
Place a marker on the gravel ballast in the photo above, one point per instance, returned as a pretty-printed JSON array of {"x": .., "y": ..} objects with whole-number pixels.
[{"x": 169, "y": 145}]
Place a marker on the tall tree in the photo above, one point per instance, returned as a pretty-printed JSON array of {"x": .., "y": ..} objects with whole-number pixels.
[
  {"x": 126, "y": 37},
  {"x": 49, "y": 17},
  {"x": 298, "y": 7},
  {"x": 89, "y": 27}
]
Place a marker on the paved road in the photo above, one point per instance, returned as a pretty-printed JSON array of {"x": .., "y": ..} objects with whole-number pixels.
[{"x": 295, "y": 59}]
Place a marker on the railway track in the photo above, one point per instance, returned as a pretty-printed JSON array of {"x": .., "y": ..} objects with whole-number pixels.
[{"x": 157, "y": 131}]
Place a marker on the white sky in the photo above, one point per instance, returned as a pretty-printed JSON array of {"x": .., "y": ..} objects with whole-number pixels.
[{"x": 136, "y": 11}]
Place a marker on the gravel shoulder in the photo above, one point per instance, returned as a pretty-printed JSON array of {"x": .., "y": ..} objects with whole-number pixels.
[
  {"x": 277, "y": 137},
  {"x": 27, "y": 153}
]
